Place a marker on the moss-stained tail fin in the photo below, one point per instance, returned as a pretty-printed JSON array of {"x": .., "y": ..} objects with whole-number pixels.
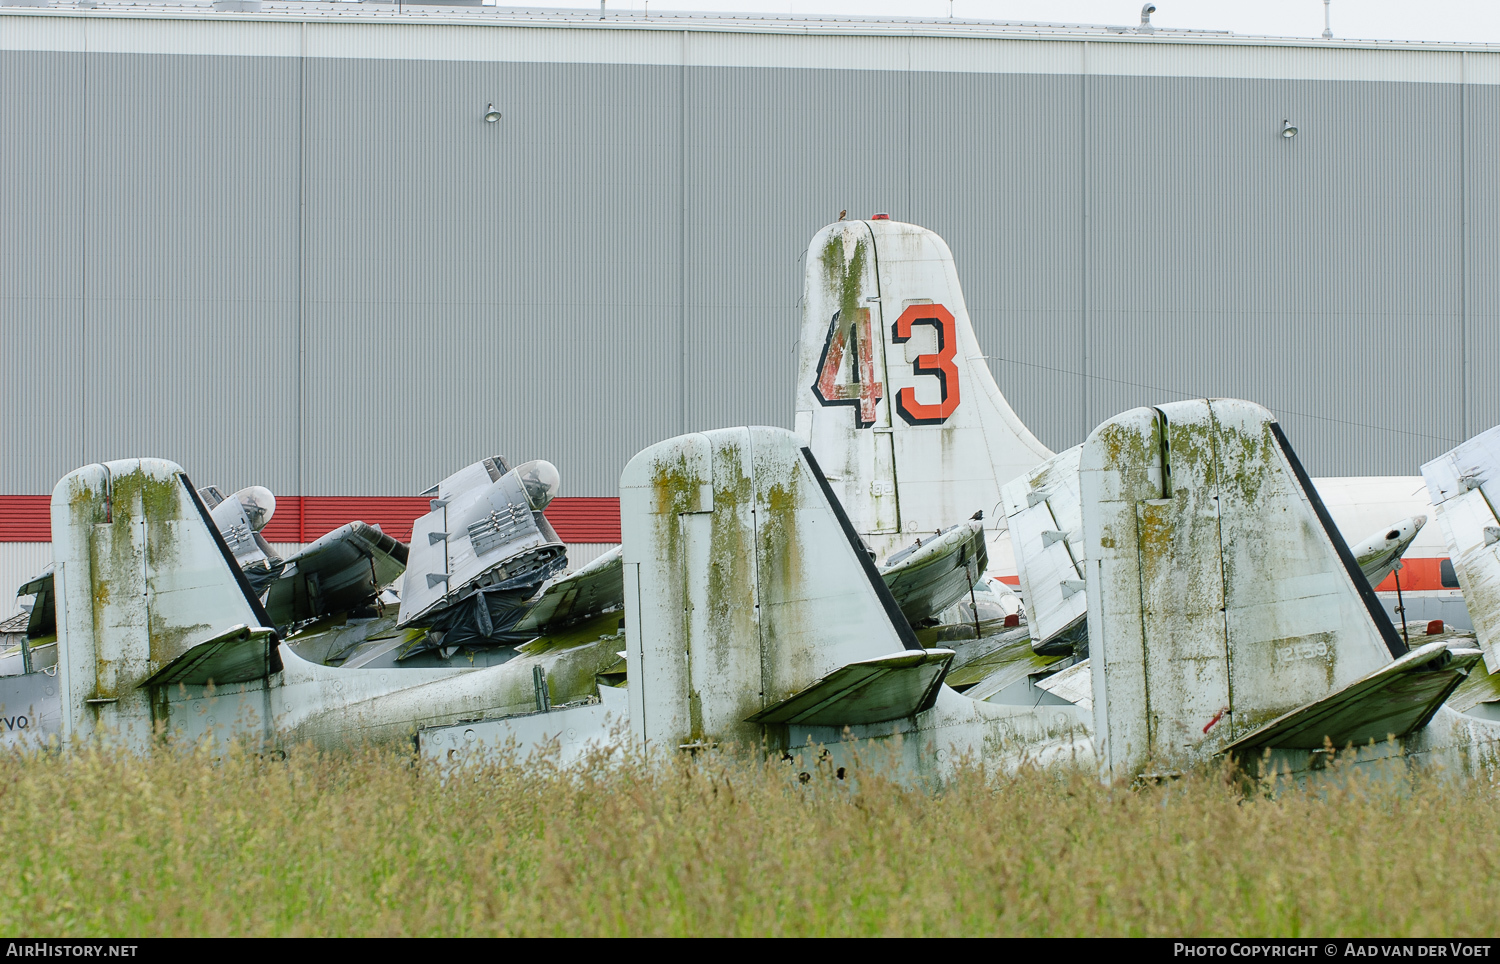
[
  {"x": 145, "y": 585},
  {"x": 1220, "y": 594},
  {"x": 745, "y": 584},
  {"x": 894, "y": 396}
]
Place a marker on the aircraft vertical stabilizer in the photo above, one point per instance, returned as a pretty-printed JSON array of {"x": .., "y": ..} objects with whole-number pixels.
[
  {"x": 1046, "y": 533},
  {"x": 894, "y": 396},
  {"x": 1465, "y": 484},
  {"x": 1221, "y": 595},
  {"x": 746, "y": 585},
  {"x": 150, "y": 595}
]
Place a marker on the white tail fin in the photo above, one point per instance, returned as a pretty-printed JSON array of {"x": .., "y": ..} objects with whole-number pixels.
[
  {"x": 1046, "y": 533},
  {"x": 1465, "y": 487},
  {"x": 744, "y": 585},
  {"x": 893, "y": 394},
  {"x": 143, "y": 580},
  {"x": 1221, "y": 595}
]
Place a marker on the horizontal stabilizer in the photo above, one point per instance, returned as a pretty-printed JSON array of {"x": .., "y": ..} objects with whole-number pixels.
[
  {"x": 594, "y": 588},
  {"x": 237, "y": 655},
  {"x": 1074, "y": 684},
  {"x": 37, "y": 584},
  {"x": 1480, "y": 687},
  {"x": 1006, "y": 659},
  {"x": 936, "y": 572},
  {"x": 869, "y": 691},
  {"x": 1395, "y": 700},
  {"x": 42, "y": 622}
]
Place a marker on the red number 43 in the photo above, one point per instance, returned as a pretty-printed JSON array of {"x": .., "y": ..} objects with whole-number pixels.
[{"x": 853, "y": 336}]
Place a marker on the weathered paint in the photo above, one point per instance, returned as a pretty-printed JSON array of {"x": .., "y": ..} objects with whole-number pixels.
[
  {"x": 895, "y": 478},
  {"x": 1074, "y": 684},
  {"x": 1478, "y": 694},
  {"x": 30, "y": 709},
  {"x": 987, "y": 666},
  {"x": 143, "y": 581},
  {"x": 561, "y": 736},
  {"x": 1393, "y": 701},
  {"x": 889, "y": 473},
  {"x": 732, "y": 611},
  {"x": 1046, "y": 535},
  {"x": 1217, "y": 597},
  {"x": 866, "y": 691},
  {"x": 1451, "y": 745},
  {"x": 724, "y": 583},
  {"x": 1465, "y": 485}
]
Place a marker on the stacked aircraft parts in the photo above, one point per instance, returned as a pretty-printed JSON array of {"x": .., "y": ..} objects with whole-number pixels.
[{"x": 1189, "y": 593}]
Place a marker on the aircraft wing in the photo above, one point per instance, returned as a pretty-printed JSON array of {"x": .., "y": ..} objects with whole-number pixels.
[
  {"x": 869, "y": 691},
  {"x": 1005, "y": 659},
  {"x": 340, "y": 571},
  {"x": 937, "y": 572},
  {"x": 1464, "y": 484},
  {"x": 1395, "y": 700},
  {"x": 595, "y": 588},
  {"x": 1043, "y": 509}
]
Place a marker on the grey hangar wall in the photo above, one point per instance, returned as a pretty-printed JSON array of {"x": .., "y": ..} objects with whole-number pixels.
[{"x": 331, "y": 277}]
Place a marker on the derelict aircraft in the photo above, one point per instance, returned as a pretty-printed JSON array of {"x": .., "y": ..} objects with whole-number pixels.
[
  {"x": 749, "y": 550},
  {"x": 896, "y": 401}
]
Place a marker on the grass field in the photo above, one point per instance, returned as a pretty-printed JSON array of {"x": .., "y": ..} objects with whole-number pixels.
[{"x": 371, "y": 844}]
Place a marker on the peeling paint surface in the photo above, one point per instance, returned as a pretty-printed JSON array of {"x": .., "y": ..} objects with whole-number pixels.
[
  {"x": 820, "y": 617},
  {"x": 144, "y": 582},
  {"x": 151, "y": 606},
  {"x": 938, "y": 474},
  {"x": 1217, "y": 600},
  {"x": 744, "y": 604}
]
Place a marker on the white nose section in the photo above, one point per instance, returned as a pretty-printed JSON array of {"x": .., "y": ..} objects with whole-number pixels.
[{"x": 1380, "y": 552}]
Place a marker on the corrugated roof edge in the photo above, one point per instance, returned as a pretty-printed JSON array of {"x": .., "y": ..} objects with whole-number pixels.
[{"x": 586, "y": 18}]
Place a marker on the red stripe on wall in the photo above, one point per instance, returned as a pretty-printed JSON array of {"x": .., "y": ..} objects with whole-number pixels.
[
  {"x": 585, "y": 519},
  {"x": 305, "y": 518},
  {"x": 27, "y": 518}
]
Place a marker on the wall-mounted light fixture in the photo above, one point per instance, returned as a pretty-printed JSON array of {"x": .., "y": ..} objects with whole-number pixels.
[
  {"x": 1287, "y": 130},
  {"x": 491, "y": 114}
]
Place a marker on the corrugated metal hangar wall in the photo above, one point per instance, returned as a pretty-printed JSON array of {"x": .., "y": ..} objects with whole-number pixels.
[{"x": 293, "y": 253}]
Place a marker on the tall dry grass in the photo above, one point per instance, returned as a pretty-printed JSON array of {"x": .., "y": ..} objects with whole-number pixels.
[{"x": 181, "y": 843}]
